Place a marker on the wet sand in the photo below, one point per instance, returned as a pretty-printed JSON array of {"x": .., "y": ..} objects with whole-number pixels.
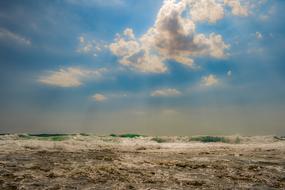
[{"x": 118, "y": 163}]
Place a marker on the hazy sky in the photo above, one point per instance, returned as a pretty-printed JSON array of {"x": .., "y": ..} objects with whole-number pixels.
[{"x": 183, "y": 67}]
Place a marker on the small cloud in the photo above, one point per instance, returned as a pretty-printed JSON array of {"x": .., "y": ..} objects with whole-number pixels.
[
  {"x": 92, "y": 47},
  {"x": 237, "y": 8},
  {"x": 112, "y": 96},
  {"x": 210, "y": 80},
  {"x": 99, "y": 97},
  {"x": 166, "y": 92},
  {"x": 258, "y": 35},
  {"x": 70, "y": 77},
  {"x": 229, "y": 73},
  {"x": 129, "y": 33},
  {"x": 7, "y": 35}
]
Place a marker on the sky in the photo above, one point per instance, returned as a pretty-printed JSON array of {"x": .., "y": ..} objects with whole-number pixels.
[{"x": 154, "y": 67}]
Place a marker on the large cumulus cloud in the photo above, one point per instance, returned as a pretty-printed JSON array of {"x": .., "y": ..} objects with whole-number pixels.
[{"x": 174, "y": 36}]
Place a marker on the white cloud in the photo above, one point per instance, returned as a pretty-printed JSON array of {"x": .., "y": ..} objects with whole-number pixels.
[
  {"x": 258, "y": 35},
  {"x": 69, "y": 77},
  {"x": 99, "y": 97},
  {"x": 166, "y": 92},
  {"x": 92, "y": 47},
  {"x": 174, "y": 36},
  {"x": 11, "y": 36},
  {"x": 132, "y": 54},
  {"x": 206, "y": 10},
  {"x": 210, "y": 80},
  {"x": 237, "y": 8},
  {"x": 229, "y": 73},
  {"x": 123, "y": 47},
  {"x": 129, "y": 33}
]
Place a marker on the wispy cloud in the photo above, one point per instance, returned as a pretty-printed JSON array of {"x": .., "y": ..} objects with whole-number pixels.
[
  {"x": 166, "y": 92},
  {"x": 114, "y": 96},
  {"x": 92, "y": 47},
  {"x": 70, "y": 77},
  {"x": 7, "y": 35},
  {"x": 99, "y": 97}
]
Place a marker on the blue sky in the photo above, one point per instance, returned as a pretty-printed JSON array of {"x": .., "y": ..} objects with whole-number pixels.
[{"x": 159, "y": 67}]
